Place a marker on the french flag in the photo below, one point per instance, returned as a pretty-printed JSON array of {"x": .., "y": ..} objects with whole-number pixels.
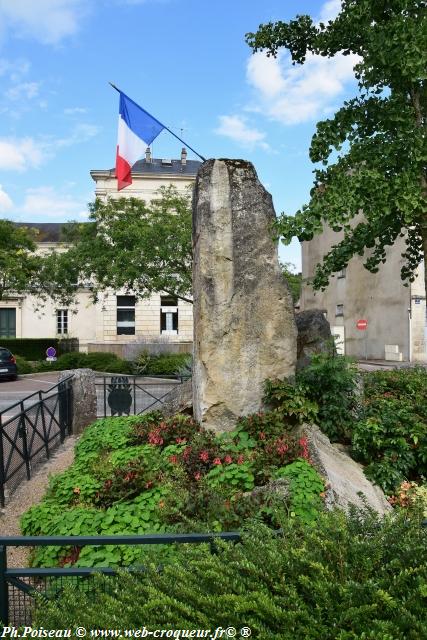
[{"x": 137, "y": 130}]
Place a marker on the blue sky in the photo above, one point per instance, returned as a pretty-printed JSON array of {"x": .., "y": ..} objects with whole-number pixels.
[{"x": 184, "y": 61}]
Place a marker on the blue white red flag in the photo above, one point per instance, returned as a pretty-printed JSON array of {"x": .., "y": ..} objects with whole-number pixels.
[{"x": 137, "y": 130}]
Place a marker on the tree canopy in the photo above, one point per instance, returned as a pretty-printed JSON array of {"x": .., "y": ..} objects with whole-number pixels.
[
  {"x": 128, "y": 244},
  {"x": 373, "y": 151},
  {"x": 19, "y": 266}
]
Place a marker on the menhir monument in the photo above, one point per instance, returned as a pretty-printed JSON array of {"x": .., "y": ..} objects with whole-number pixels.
[{"x": 244, "y": 325}]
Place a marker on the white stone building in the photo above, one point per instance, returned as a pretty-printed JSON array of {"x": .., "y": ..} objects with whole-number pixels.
[
  {"x": 118, "y": 322},
  {"x": 395, "y": 314}
]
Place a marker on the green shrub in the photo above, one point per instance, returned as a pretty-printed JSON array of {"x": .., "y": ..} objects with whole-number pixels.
[
  {"x": 35, "y": 348},
  {"x": 391, "y": 437},
  {"x": 331, "y": 382},
  {"x": 347, "y": 578},
  {"x": 96, "y": 360},
  {"x": 23, "y": 365},
  {"x": 291, "y": 401},
  {"x": 164, "y": 364}
]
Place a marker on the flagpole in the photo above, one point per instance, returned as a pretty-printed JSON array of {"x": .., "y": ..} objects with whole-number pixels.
[{"x": 163, "y": 125}]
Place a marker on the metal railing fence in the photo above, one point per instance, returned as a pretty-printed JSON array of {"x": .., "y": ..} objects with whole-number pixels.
[
  {"x": 30, "y": 430},
  {"x": 19, "y": 587},
  {"x": 133, "y": 395}
]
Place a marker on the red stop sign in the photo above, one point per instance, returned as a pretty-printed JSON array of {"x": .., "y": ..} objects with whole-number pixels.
[{"x": 362, "y": 325}]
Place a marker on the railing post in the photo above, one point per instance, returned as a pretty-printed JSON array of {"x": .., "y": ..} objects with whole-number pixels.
[
  {"x": 4, "y": 589},
  {"x": 23, "y": 433},
  {"x": 69, "y": 396},
  {"x": 105, "y": 396},
  {"x": 45, "y": 437},
  {"x": 134, "y": 396},
  {"x": 2, "y": 471}
]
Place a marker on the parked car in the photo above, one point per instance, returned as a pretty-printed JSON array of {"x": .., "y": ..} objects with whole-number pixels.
[{"x": 8, "y": 368}]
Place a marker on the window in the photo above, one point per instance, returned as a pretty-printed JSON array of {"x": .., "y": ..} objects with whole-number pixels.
[
  {"x": 168, "y": 315},
  {"x": 62, "y": 322},
  {"x": 7, "y": 323},
  {"x": 339, "y": 311},
  {"x": 125, "y": 315}
]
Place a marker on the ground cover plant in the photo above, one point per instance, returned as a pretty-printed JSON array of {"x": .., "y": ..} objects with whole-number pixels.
[
  {"x": 149, "y": 474},
  {"x": 347, "y": 578}
]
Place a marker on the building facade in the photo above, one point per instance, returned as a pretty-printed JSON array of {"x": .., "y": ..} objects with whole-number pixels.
[
  {"x": 395, "y": 314},
  {"x": 118, "y": 322}
]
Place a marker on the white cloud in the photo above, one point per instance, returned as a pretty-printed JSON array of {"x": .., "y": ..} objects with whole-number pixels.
[
  {"x": 23, "y": 91},
  {"x": 82, "y": 132},
  {"x": 19, "y": 154},
  {"x": 48, "y": 202},
  {"x": 6, "y": 203},
  {"x": 48, "y": 21},
  {"x": 72, "y": 111},
  {"x": 292, "y": 94},
  {"x": 295, "y": 94},
  {"x": 329, "y": 10},
  {"x": 236, "y": 128}
]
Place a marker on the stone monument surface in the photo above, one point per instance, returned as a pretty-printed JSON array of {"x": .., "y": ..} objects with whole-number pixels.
[{"x": 244, "y": 324}]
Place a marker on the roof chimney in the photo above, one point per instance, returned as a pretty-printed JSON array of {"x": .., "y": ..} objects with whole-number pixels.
[
  {"x": 184, "y": 156},
  {"x": 148, "y": 154}
]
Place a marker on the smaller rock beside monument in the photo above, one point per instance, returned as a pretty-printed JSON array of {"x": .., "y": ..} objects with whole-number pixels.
[
  {"x": 346, "y": 482},
  {"x": 314, "y": 336}
]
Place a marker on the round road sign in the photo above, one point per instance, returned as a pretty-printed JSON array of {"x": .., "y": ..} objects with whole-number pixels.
[
  {"x": 51, "y": 352},
  {"x": 362, "y": 325}
]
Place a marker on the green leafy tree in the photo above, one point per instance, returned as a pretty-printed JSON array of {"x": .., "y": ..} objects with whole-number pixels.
[
  {"x": 128, "y": 244},
  {"x": 19, "y": 266},
  {"x": 293, "y": 279},
  {"x": 374, "y": 149}
]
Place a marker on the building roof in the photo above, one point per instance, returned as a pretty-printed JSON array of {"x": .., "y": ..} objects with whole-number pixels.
[
  {"x": 158, "y": 166},
  {"x": 47, "y": 231}
]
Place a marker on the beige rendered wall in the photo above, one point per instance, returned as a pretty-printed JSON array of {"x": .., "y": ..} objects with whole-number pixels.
[
  {"x": 144, "y": 187},
  {"x": 380, "y": 298},
  {"x": 147, "y": 321}
]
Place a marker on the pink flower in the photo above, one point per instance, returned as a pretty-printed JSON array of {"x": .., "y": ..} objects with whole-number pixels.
[
  {"x": 180, "y": 440},
  {"x": 303, "y": 442},
  {"x": 173, "y": 459},
  {"x": 204, "y": 455},
  {"x": 228, "y": 459},
  {"x": 197, "y": 475},
  {"x": 217, "y": 461},
  {"x": 240, "y": 460}
]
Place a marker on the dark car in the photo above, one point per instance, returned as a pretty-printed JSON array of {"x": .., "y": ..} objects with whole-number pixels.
[{"x": 8, "y": 368}]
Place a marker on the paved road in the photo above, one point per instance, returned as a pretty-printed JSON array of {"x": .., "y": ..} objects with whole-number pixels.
[{"x": 14, "y": 391}]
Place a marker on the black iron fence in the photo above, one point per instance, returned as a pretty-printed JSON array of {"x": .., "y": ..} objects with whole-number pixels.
[
  {"x": 21, "y": 587},
  {"x": 133, "y": 395},
  {"x": 30, "y": 430}
]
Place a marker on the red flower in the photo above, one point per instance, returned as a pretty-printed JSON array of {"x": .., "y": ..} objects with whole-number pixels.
[
  {"x": 204, "y": 455},
  {"x": 180, "y": 440},
  {"x": 228, "y": 459},
  {"x": 186, "y": 453},
  {"x": 217, "y": 461},
  {"x": 197, "y": 475},
  {"x": 240, "y": 460},
  {"x": 173, "y": 459},
  {"x": 303, "y": 442}
]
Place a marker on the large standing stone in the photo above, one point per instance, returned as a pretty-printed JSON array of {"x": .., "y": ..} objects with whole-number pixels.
[{"x": 244, "y": 325}]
